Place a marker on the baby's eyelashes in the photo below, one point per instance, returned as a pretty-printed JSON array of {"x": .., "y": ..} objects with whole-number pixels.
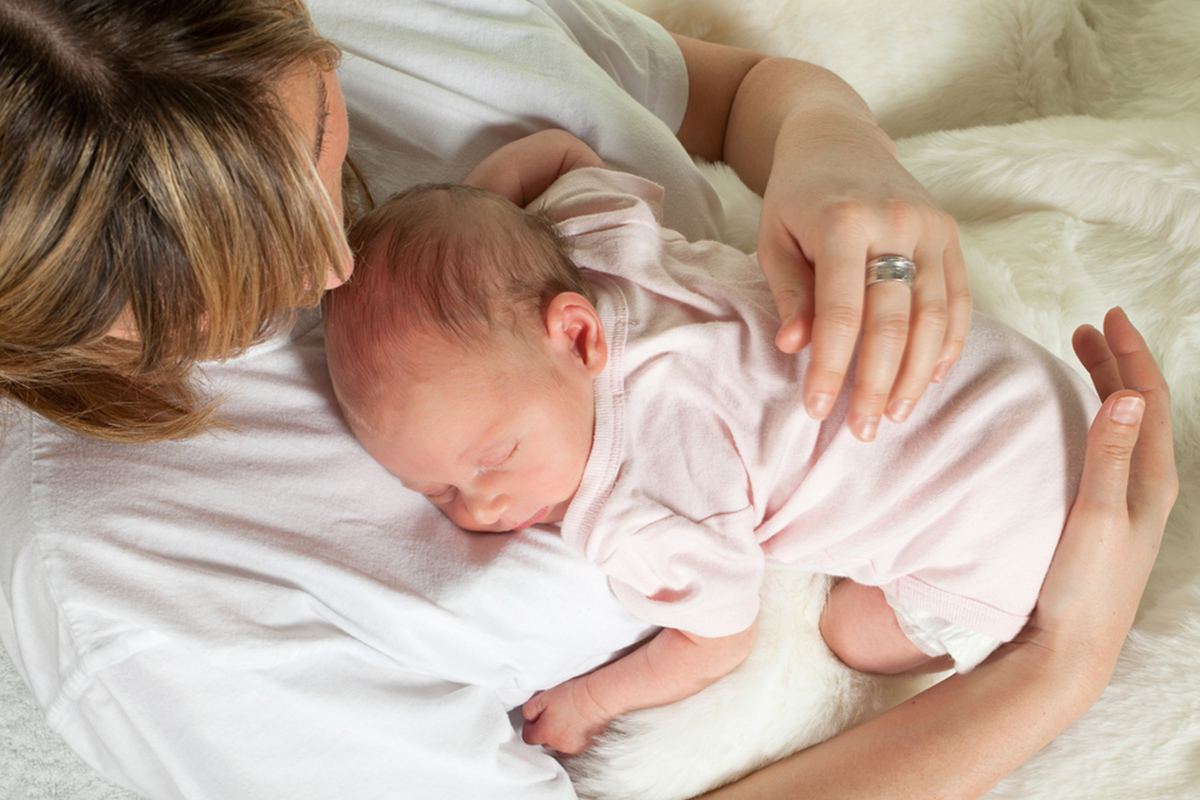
[{"x": 498, "y": 459}]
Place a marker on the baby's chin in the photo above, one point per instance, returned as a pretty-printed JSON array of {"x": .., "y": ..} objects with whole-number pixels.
[
  {"x": 558, "y": 512},
  {"x": 544, "y": 516}
]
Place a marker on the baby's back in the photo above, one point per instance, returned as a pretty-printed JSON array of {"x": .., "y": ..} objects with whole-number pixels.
[{"x": 956, "y": 511}]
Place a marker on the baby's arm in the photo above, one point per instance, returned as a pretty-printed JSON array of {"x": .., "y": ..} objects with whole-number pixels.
[
  {"x": 523, "y": 169},
  {"x": 672, "y": 666}
]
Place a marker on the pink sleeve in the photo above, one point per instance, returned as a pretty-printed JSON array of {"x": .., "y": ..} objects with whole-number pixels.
[
  {"x": 594, "y": 199},
  {"x": 699, "y": 577},
  {"x": 670, "y": 519}
]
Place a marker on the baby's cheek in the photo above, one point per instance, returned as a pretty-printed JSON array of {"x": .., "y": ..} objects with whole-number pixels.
[{"x": 451, "y": 512}]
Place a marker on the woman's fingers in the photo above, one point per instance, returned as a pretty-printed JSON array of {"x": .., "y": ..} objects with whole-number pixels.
[
  {"x": 904, "y": 336},
  {"x": 886, "y": 338},
  {"x": 938, "y": 327},
  {"x": 958, "y": 306},
  {"x": 790, "y": 276},
  {"x": 1120, "y": 359},
  {"x": 819, "y": 299},
  {"x": 1137, "y": 367},
  {"x": 926, "y": 335},
  {"x": 1091, "y": 348},
  {"x": 1154, "y": 482},
  {"x": 839, "y": 264},
  {"x": 1110, "y": 447}
]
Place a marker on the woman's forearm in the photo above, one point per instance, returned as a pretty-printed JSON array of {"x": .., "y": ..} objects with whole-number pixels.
[
  {"x": 784, "y": 107},
  {"x": 955, "y": 740},
  {"x": 750, "y": 104}
]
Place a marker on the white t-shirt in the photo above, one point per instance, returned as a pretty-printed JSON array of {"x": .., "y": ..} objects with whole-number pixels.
[
  {"x": 705, "y": 467},
  {"x": 434, "y": 87},
  {"x": 268, "y": 613}
]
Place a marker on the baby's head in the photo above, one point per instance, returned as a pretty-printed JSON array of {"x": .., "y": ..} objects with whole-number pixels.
[{"x": 462, "y": 352}]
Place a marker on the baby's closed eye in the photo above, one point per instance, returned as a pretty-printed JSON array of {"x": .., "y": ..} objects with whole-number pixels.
[{"x": 498, "y": 457}]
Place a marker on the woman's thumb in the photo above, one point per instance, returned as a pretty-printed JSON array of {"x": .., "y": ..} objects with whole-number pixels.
[
  {"x": 1111, "y": 440},
  {"x": 790, "y": 277}
]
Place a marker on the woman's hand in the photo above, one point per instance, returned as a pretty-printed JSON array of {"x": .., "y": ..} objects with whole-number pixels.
[
  {"x": 834, "y": 200},
  {"x": 1129, "y": 484},
  {"x": 834, "y": 197}
]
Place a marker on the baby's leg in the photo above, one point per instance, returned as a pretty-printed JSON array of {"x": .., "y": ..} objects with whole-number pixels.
[{"x": 861, "y": 629}]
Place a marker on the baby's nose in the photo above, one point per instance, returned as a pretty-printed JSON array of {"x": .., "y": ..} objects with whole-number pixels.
[{"x": 487, "y": 509}]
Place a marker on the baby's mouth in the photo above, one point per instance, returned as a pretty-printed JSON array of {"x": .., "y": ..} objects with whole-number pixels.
[{"x": 534, "y": 520}]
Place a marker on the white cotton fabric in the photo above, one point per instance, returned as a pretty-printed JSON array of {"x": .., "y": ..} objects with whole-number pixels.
[
  {"x": 433, "y": 87},
  {"x": 935, "y": 637},
  {"x": 704, "y": 465},
  {"x": 266, "y": 612}
]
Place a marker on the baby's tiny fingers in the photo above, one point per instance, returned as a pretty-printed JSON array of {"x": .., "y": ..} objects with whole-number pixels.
[{"x": 534, "y": 707}]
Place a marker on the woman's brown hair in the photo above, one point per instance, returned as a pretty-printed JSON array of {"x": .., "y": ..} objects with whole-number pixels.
[{"x": 149, "y": 174}]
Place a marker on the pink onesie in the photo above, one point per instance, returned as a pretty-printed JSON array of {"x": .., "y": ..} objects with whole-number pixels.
[{"x": 704, "y": 465}]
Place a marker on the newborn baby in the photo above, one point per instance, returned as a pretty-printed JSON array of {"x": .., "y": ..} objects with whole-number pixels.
[{"x": 576, "y": 364}]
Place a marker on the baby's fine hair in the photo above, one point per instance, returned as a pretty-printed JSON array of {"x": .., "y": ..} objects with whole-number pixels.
[{"x": 444, "y": 259}]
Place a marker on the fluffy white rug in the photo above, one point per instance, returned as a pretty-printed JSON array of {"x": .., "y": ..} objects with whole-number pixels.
[
  {"x": 1065, "y": 137},
  {"x": 1091, "y": 200}
]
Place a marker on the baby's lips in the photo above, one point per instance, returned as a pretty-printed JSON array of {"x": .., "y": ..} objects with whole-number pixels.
[{"x": 535, "y": 519}]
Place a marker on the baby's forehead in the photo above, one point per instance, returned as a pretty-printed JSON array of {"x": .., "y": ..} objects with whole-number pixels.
[
  {"x": 441, "y": 376},
  {"x": 426, "y": 420}
]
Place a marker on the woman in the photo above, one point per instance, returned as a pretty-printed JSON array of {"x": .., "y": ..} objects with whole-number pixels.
[
  {"x": 261, "y": 612},
  {"x": 835, "y": 198}
]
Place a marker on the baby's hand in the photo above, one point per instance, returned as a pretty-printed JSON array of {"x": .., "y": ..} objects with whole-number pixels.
[
  {"x": 565, "y": 719},
  {"x": 523, "y": 169}
]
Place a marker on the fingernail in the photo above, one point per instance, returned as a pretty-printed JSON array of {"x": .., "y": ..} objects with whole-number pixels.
[
  {"x": 867, "y": 428},
  {"x": 940, "y": 372},
  {"x": 898, "y": 410},
  {"x": 1128, "y": 410},
  {"x": 819, "y": 405}
]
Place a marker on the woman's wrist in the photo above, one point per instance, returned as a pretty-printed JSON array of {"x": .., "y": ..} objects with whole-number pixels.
[
  {"x": 784, "y": 106},
  {"x": 1080, "y": 662},
  {"x": 1072, "y": 674}
]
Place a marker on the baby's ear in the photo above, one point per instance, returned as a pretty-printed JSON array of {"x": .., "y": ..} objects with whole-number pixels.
[{"x": 576, "y": 332}]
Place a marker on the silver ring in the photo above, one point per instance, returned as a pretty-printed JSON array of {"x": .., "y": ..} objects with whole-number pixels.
[{"x": 891, "y": 268}]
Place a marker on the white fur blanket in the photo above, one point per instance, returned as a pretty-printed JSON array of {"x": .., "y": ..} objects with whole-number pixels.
[{"x": 1065, "y": 136}]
